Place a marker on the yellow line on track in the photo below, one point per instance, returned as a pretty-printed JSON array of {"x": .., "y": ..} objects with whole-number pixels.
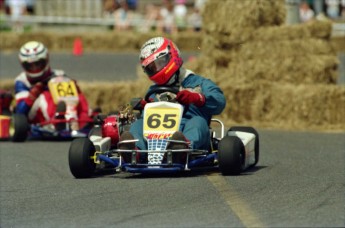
[{"x": 233, "y": 199}]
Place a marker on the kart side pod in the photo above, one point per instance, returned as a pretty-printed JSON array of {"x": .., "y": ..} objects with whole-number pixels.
[
  {"x": 110, "y": 128},
  {"x": 238, "y": 150},
  {"x": 248, "y": 140}
]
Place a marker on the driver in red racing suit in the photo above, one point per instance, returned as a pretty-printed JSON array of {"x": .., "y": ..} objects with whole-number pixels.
[
  {"x": 161, "y": 61},
  {"x": 32, "y": 95}
]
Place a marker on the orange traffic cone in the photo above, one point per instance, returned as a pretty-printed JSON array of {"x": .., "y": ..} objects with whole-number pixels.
[{"x": 78, "y": 47}]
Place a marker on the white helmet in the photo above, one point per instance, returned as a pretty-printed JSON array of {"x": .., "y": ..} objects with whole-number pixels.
[{"x": 34, "y": 58}]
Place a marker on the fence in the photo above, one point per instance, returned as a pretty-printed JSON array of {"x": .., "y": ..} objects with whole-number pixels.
[
  {"x": 70, "y": 8},
  {"x": 91, "y": 12}
]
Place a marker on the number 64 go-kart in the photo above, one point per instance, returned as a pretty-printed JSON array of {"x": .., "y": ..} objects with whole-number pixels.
[
  {"x": 232, "y": 152},
  {"x": 64, "y": 94}
]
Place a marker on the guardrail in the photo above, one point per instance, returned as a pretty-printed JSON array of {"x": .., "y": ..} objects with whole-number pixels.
[
  {"x": 338, "y": 28},
  {"x": 66, "y": 20}
]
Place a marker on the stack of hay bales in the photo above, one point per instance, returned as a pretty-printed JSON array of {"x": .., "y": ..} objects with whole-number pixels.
[
  {"x": 273, "y": 75},
  {"x": 92, "y": 41}
]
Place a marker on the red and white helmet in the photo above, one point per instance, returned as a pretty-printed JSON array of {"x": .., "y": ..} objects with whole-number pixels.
[
  {"x": 34, "y": 58},
  {"x": 160, "y": 60}
]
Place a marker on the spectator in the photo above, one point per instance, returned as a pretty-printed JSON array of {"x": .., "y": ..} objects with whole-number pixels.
[
  {"x": 166, "y": 21},
  {"x": 180, "y": 14},
  {"x": 195, "y": 20},
  {"x": 199, "y": 4},
  {"x": 30, "y": 7},
  {"x": 343, "y": 9},
  {"x": 150, "y": 18},
  {"x": 123, "y": 16},
  {"x": 132, "y": 4},
  {"x": 305, "y": 12},
  {"x": 2, "y": 5},
  {"x": 17, "y": 9},
  {"x": 109, "y": 7},
  {"x": 7, "y": 7},
  {"x": 332, "y": 8}
]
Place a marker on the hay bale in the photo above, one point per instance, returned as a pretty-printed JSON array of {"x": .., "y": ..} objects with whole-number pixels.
[
  {"x": 309, "y": 69},
  {"x": 110, "y": 96},
  {"x": 286, "y": 106},
  {"x": 225, "y": 16},
  {"x": 338, "y": 43},
  {"x": 92, "y": 41},
  {"x": 271, "y": 74}
]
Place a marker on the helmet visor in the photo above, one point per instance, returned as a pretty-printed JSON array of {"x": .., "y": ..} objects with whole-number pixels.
[
  {"x": 157, "y": 65},
  {"x": 35, "y": 67}
]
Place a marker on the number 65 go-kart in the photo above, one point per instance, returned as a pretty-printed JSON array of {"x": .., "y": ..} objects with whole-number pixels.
[{"x": 232, "y": 152}]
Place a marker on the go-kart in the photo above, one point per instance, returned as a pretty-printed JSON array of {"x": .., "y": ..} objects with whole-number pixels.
[
  {"x": 6, "y": 99},
  {"x": 65, "y": 96},
  {"x": 232, "y": 152}
]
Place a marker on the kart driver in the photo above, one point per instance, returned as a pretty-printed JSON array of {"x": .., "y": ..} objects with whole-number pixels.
[
  {"x": 161, "y": 61},
  {"x": 32, "y": 94}
]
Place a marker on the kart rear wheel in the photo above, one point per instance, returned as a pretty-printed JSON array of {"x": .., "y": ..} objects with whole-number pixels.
[
  {"x": 231, "y": 155},
  {"x": 20, "y": 127},
  {"x": 253, "y": 131},
  {"x": 80, "y": 162}
]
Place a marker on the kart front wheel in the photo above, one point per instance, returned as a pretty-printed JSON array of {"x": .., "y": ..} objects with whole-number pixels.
[
  {"x": 80, "y": 159},
  {"x": 231, "y": 155},
  {"x": 19, "y": 127}
]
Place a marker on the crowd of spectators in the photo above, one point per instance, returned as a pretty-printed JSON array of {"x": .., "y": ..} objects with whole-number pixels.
[
  {"x": 168, "y": 16},
  {"x": 172, "y": 16},
  {"x": 330, "y": 9}
]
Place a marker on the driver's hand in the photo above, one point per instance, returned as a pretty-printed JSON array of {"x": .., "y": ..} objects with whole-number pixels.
[
  {"x": 138, "y": 104},
  {"x": 187, "y": 97},
  {"x": 34, "y": 92}
]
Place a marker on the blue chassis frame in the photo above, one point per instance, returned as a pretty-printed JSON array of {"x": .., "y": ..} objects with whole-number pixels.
[
  {"x": 38, "y": 132},
  {"x": 204, "y": 160}
]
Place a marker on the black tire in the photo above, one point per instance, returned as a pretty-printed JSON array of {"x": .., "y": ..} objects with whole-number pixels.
[
  {"x": 20, "y": 127},
  {"x": 253, "y": 131},
  {"x": 230, "y": 155},
  {"x": 96, "y": 131},
  {"x": 80, "y": 163}
]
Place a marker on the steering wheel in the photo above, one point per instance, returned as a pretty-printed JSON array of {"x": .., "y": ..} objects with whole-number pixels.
[{"x": 160, "y": 89}]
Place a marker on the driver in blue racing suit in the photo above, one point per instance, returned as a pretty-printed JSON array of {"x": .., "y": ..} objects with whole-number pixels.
[{"x": 161, "y": 61}]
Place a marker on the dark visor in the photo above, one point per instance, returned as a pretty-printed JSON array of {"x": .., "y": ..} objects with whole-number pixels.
[
  {"x": 157, "y": 65},
  {"x": 35, "y": 67}
]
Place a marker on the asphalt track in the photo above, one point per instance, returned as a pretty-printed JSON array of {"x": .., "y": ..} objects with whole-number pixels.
[
  {"x": 299, "y": 181},
  {"x": 88, "y": 67},
  {"x": 102, "y": 66}
]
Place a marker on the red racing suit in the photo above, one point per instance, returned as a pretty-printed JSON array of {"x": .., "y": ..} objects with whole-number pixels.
[{"x": 43, "y": 108}]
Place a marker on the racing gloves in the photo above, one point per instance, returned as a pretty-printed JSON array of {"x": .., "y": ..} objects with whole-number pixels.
[
  {"x": 139, "y": 103},
  {"x": 34, "y": 92},
  {"x": 187, "y": 97}
]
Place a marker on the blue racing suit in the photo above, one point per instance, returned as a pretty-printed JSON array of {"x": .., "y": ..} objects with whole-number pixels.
[{"x": 195, "y": 121}]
